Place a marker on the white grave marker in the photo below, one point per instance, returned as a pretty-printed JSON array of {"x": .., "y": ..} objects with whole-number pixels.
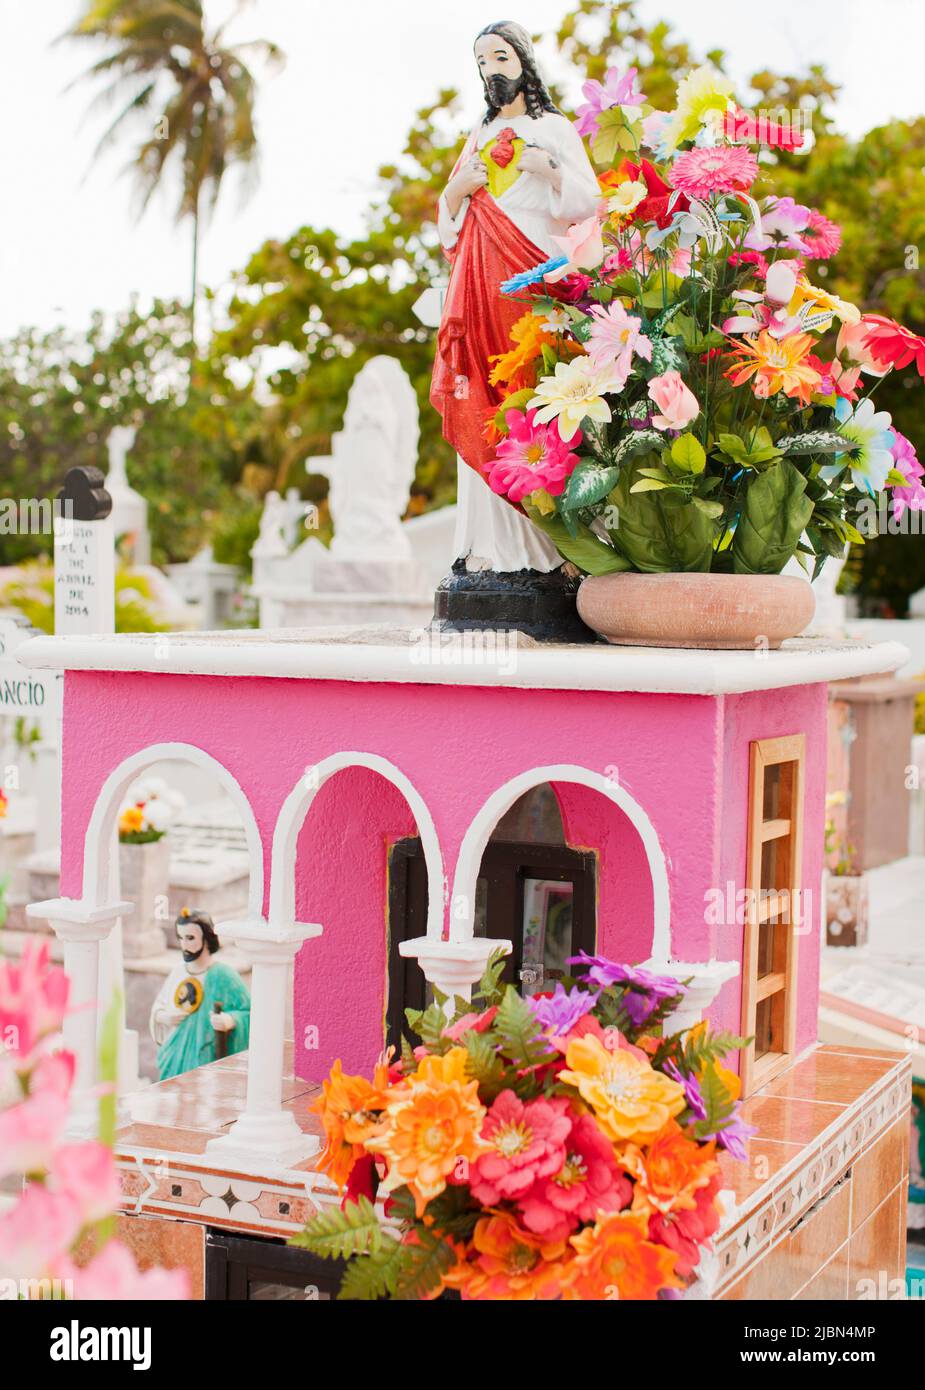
[{"x": 85, "y": 569}]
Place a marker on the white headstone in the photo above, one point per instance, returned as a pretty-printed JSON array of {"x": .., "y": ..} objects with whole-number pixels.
[{"x": 85, "y": 570}]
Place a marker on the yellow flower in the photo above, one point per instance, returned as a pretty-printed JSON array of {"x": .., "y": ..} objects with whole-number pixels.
[
  {"x": 630, "y": 1099},
  {"x": 131, "y": 820},
  {"x": 576, "y": 390},
  {"x": 704, "y": 96},
  {"x": 626, "y": 197},
  {"x": 431, "y": 1128},
  {"x": 822, "y": 302}
]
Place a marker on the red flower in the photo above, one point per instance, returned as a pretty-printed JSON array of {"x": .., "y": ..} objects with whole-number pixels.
[
  {"x": 527, "y": 1143},
  {"x": 363, "y": 1180},
  {"x": 654, "y": 206},
  {"x": 763, "y": 130},
  {"x": 587, "y": 1184},
  {"x": 569, "y": 290},
  {"x": 892, "y": 345},
  {"x": 687, "y": 1229}
]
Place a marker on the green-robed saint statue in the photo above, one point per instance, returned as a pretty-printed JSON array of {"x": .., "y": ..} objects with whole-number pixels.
[{"x": 200, "y": 999}]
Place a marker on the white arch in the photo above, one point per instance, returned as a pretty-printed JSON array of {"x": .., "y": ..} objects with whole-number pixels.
[
  {"x": 479, "y": 833},
  {"x": 101, "y": 826},
  {"x": 295, "y": 808}
]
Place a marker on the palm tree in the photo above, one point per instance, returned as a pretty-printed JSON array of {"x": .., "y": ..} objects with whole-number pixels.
[{"x": 193, "y": 96}]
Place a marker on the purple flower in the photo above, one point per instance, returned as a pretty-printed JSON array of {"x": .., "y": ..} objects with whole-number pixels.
[
  {"x": 562, "y": 1010},
  {"x": 653, "y": 989},
  {"x": 733, "y": 1135},
  {"x": 603, "y": 96}
]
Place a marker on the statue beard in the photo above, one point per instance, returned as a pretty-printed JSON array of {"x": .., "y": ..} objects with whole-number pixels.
[
  {"x": 193, "y": 955},
  {"x": 503, "y": 90}
]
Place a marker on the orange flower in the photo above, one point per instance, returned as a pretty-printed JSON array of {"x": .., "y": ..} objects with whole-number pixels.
[
  {"x": 669, "y": 1172},
  {"x": 776, "y": 365},
  {"x": 615, "y": 1260},
  {"x": 517, "y": 368},
  {"x": 506, "y": 1262},
  {"x": 731, "y": 1082},
  {"x": 348, "y": 1106},
  {"x": 131, "y": 820},
  {"x": 431, "y": 1125}
]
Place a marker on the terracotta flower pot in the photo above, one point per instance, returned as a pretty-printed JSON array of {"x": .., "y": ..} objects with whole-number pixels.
[{"x": 696, "y": 610}]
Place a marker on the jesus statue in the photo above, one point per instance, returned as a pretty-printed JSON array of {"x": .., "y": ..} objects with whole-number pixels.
[{"x": 522, "y": 179}]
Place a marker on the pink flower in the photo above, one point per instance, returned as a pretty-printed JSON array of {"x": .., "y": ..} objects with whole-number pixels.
[
  {"x": 600, "y": 97},
  {"x": 722, "y": 169},
  {"x": 781, "y": 223},
  {"x": 583, "y": 244},
  {"x": 114, "y": 1277},
  {"x": 853, "y": 340},
  {"x": 532, "y": 457},
  {"x": 29, "y": 1132},
  {"x": 678, "y": 404},
  {"x": 36, "y": 1231},
  {"x": 765, "y": 130},
  {"x": 614, "y": 337},
  {"x": 474, "y": 1022},
  {"x": 821, "y": 236},
  {"x": 779, "y": 287},
  {"x": 905, "y": 460},
  {"x": 527, "y": 1143},
  {"x": 587, "y": 1183},
  {"x": 33, "y": 1002},
  {"x": 87, "y": 1173}
]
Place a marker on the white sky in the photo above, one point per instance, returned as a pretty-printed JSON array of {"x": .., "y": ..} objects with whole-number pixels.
[{"x": 356, "y": 72}]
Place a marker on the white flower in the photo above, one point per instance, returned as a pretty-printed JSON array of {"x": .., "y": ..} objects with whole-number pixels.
[
  {"x": 575, "y": 392},
  {"x": 627, "y": 197},
  {"x": 556, "y": 321},
  {"x": 158, "y": 814}
]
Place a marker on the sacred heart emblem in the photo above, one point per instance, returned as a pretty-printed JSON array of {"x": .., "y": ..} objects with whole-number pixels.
[
  {"x": 501, "y": 157},
  {"x": 188, "y": 995}
]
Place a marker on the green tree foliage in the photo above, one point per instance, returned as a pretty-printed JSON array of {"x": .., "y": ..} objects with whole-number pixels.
[{"x": 61, "y": 393}]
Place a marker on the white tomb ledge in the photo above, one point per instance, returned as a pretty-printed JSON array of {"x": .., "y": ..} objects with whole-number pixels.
[{"x": 418, "y": 656}]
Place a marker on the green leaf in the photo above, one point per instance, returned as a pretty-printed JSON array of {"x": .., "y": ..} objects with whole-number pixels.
[
  {"x": 484, "y": 1065},
  {"x": 338, "y": 1233},
  {"x": 817, "y": 442},
  {"x": 424, "y": 1265},
  {"x": 590, "y": 482},
  {"x": 651, "y": 485},
  {"x": 718, "y": 1103},
  {"x": 688, "y": 453},
  {"x": 584, "y": 549},
  {"x": 659, "y": 532},
  {"x": 489, "y": 989},
  {"x": 374, "y": 1276},
  {"x": 775, "y": 513},
  {"x": 520, "y": 1031},
  {"x": 517, "y": 401},
  {"x": 714, "y": 510},
  {"x": 763, "y": 449}
]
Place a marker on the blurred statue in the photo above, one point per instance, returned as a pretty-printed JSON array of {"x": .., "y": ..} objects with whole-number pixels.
[
  {"x": 203, "y": 1009},
  {"x": 372, "y": 463}
]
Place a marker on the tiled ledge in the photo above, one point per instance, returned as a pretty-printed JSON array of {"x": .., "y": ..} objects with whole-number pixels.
[{"x": 820, "y": 1200}]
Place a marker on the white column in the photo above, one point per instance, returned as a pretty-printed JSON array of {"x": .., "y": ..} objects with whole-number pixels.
[
  {"x": 265, "y": 1131},
  {"x": 453, "y": 967},
  {"x": 80, "y": 929}
]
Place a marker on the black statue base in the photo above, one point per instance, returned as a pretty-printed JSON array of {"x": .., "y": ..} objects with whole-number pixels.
[{"x": 540, "y": 605}]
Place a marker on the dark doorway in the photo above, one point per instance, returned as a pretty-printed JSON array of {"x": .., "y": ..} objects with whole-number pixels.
[{"x": 540, "y": 895}]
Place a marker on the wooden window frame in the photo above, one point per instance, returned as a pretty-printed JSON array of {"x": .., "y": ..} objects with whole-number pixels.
[{"x": 763, "y": 908}]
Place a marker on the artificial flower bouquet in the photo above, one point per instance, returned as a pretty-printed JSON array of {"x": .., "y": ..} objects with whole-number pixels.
[
  {"x": 148, "y": 811},
  {"x": 680, "y": 395},
  {"x": 556, "y": 1146}
]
